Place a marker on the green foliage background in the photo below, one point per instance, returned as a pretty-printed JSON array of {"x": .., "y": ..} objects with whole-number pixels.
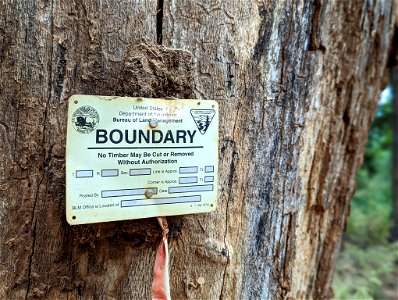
[{"x": 367, "y": 266}]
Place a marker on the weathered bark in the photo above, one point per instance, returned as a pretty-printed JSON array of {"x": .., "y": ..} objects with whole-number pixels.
[{"x": 297, "y": 83}]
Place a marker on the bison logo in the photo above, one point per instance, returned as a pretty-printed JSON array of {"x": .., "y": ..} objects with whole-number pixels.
[{"x": 85, "y": 119}]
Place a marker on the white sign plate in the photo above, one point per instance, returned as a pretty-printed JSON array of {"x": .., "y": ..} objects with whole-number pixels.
[{"x": 131, "y": 158}]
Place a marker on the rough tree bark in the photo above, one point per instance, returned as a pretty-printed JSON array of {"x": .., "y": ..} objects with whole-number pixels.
[{"x": 297, "y": 83}]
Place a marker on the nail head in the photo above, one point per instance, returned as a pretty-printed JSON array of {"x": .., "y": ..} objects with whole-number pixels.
[
  {"x": 153, "y": 123},
  {"x": 149, "y": 193}
]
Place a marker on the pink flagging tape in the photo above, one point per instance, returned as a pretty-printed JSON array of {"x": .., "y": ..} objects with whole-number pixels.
[{"x": 161, "y": 281}]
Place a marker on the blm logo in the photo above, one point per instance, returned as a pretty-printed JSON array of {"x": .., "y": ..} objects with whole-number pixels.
[{"x": 202, "y": 118}]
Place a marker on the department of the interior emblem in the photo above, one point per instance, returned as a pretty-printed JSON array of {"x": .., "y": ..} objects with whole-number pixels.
[{"x": 85, "y": 119}]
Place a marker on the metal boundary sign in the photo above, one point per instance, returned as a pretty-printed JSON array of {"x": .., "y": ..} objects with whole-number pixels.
[{"x": 131, "y": 158}]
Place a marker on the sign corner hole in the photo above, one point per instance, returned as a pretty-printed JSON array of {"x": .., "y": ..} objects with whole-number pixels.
[
  {"x": 76, "y": 102},
  {"x": 73, "y": 217}
]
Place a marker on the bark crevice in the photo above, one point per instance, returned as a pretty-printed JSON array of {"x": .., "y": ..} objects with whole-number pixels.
[
  {"x": 159, "y": 22},
  {"x": 30, "y": 261}
]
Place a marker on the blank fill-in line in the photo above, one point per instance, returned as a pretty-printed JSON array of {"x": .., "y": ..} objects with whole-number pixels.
[
  {"x": 158, "y": 201},
  {"x": 136, "y": 172},
  {"x": 126, "y": 192},
  {"x": 209, "y": 169},
  {"x": 109, "y": 172},
  {"x": 84, "y": 173},
  {"x": 209, "y": 178},
  {"x": 185, "y": 180},
  {"x": 191, "y": 188},
  {"x": 188, "y": 170}
]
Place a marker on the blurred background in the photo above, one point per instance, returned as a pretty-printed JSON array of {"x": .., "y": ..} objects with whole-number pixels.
[{"x": 368, "y": 263}]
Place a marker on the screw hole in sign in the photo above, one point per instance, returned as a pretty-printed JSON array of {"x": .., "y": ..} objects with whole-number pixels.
[
  {"x": 198, "y": 103},
  {"x": 74, "y": 217},
  {"x": 76, "y": 101}
]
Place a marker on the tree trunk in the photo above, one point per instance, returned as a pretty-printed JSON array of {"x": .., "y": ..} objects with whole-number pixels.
[{"x": 297, "y": 84}]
